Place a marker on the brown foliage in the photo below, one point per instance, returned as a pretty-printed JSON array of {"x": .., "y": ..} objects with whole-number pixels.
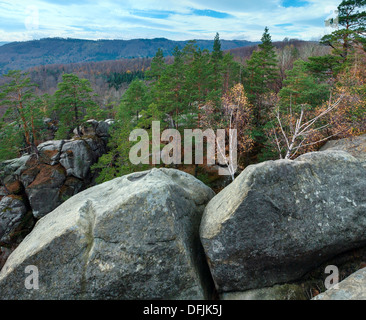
[{"x": 235, "y": 112}]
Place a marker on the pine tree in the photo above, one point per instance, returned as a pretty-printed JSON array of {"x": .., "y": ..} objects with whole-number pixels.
[
  {"x": 261, "y": 73},
  {"x": 215, "y": 76},
  {"x": 170, "y": 93},
  {"x": 134, "y": 99},
  {"x": 301, "y": 88},
  {"x": 231, "y": 72},
  {"x": 21, "y": 114},
  {"x": 217, "y": 53},
  {"x": 74, "y": 102},
  {"x": 157, "y": 67},
  {"x": 352, "y": 22}
]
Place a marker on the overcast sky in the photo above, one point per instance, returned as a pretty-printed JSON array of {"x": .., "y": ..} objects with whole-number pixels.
[{"x": 173, "y": 19}]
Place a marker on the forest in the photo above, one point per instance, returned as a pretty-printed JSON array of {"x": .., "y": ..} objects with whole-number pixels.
[
  {"x": 46, "y": 51},
  {"x": 284, "y": 100}
]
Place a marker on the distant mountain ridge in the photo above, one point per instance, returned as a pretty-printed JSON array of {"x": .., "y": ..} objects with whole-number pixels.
[{"x": 23, "y": 55}]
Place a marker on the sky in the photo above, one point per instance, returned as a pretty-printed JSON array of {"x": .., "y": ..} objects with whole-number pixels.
[{"x": 22, "y": 20}]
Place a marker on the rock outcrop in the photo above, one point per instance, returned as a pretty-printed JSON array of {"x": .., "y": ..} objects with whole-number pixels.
[
  {"x": 135, "y": 237},
  {"x": 95, "y": 128},
  {"x": 42, "y": 182},
  {"x": 280, "y": 219}
]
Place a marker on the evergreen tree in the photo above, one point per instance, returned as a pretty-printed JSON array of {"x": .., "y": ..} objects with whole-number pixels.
[
  {"x": 352, "y": 29},
  {"x": 231, "y": 72},
  {"x": 260, "y": 75},
  {"x": 20, "y": 118},
  {"x": 324, "y": 67},
  {"x": 116, "y": 162},
  {"x": 259, "y": 79},
  {"x": 215, "y": 75},
  {"x": 74, "y": 103},
  {"x": 11, "y": 140},
  {"x": 157, "y": 67},
  {"x": 135, "y": 98},
  {"x": 301, "y": 88},
  {"x": 170, "y": 93},
  {"x": 197, "y": 77},
  {"x": 217, "y": 53}
]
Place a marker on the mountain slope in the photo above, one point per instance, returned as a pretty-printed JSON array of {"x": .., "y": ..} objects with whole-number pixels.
[{"x": 23, "y": 55}]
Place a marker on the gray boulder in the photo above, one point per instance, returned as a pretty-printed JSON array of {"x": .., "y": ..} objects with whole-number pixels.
[
  {"x": 3, "y": 192},
  {"x": 135, "y": 237},
  {"x": 280, "y": 219},
  {"x": 355, "y": 146},
  {"x": 77, "y": 156},
  {"x": 49, "y": 151},
  {"x": 13, "y": 166},
  {"x": 95, "y": 128},
  {"x": 44, "y": 192},
  {"x": 351, "y": 288},
  {"x": 102, "y": 129},
  {"x": 15, "y": 218}
]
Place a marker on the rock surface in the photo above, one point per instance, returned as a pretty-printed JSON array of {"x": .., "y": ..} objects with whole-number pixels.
[
  {"x": 356, "y": 146},
  {"x": 280, "y": 219},
  {"x": 135, "y": 237},
  {"x": 95, "y": 128},
  {"x": 351, "y": 288},
  {"x": 77, "y": 156},
  {"x": 12, "y": 213},
  {"x": 15, "y": 222}
]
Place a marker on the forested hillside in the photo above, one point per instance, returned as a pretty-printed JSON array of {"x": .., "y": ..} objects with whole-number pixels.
[
  {"x": 23, "y": 55},
  {"x": 110, "y": 78}
]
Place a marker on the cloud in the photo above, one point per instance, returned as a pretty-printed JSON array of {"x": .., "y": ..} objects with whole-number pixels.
[
  {"x": 211, "y": 13},
  {"x": 180, "y": 20}
]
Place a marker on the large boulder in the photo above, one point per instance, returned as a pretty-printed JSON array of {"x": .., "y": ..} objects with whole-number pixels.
[
  {"x": 351, "y": 288},
  {"x": 50, "y": 151},
  {"x": 355, "y": 146},
  {"x": 135, "y": 237},
  {"x": 44, "y": 192},
  {"x": 280, "y": 219},
  {"x": 77, "y": 156}
]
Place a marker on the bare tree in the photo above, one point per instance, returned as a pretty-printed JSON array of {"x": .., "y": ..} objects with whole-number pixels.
[
  {"x": 230, "y": 161},
  {"x": 296, "y": 132}
]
